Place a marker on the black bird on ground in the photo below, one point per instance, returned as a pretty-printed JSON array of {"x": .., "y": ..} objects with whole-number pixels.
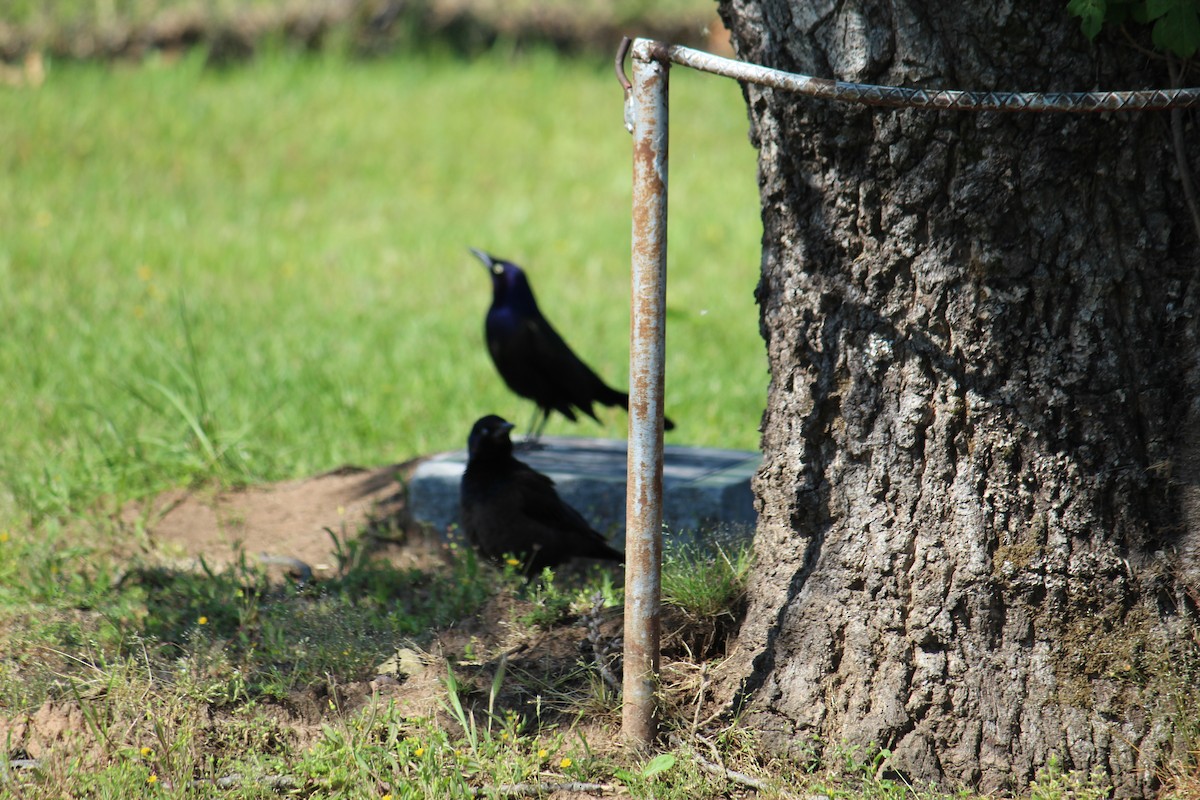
[
  {"x": 532, "y": 358},
  {"x": 508, "y": 509}
]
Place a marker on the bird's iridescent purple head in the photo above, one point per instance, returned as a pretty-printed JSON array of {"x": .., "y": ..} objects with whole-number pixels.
[
  {"x": 509, "y": 283},
  {"x": 490, "y": 434}
]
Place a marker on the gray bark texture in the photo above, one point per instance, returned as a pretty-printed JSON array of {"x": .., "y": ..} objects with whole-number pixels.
[{"x": 979, "y": 537}]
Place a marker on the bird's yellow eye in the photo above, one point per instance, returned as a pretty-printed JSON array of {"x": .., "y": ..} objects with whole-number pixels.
[{"x": 497, "y": 269}]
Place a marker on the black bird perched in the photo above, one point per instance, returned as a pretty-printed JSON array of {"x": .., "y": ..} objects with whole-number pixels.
[
  {"x": 532, "y": 358},
  {"x": 510, "y": 509}
]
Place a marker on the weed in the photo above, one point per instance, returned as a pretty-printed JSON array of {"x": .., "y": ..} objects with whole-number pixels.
[
  {"x": 707, "y": 586},
  {"x": 549, "y": 605},
  {"x": 1054, "y": 783},
  {"x": 638, "y": 781},
  {"x": 206, "y": 449},
  {"x": 705, "y": 583}
]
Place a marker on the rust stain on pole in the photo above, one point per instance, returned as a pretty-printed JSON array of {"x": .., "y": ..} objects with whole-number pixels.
[{"x": 643, "y": 538}]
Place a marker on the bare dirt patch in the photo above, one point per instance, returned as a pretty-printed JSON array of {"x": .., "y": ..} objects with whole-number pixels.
[{"x": 290, "y": 524}]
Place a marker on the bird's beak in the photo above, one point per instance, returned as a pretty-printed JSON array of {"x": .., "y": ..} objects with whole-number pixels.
[
  {"x": 505, "y": 428},
  {"x": 484, "y": 257}
]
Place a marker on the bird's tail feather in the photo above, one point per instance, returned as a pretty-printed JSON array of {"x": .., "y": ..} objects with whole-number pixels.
[{"x": 608, "y": 396}]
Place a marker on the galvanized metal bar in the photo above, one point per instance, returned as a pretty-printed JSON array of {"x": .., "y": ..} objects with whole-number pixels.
[
  {"x": 938, "y": 99},
  {"x": 647, "y": 344}
]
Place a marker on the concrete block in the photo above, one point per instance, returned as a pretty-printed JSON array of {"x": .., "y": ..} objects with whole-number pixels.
[{"x": 703, "y": 487}]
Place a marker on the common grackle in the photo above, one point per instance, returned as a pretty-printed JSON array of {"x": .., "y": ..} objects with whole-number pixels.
[
  {"x": 532, "y": 358},
  {"x": 508, "y": 509}
]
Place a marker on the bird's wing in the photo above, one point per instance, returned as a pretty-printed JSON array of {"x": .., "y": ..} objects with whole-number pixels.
[
  {"x": 574, "y": 382},
  {"x": 523, "y": 359},
  {"x": 491, "y": 513},
  {"x": 559, "y": 522},
  {"x": 541, "y": 504}
]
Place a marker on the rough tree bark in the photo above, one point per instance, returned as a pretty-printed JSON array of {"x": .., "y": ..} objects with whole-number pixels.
[{"x": 979, "y": 543}]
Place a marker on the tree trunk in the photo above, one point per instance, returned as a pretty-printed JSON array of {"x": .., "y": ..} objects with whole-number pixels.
[{"x": 979, "y": 537}]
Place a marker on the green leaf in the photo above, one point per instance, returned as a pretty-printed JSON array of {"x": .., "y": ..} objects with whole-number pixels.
[
  {"x": 1157, "y": 8},
  {"x": 1090, "y": 13},
  {"x": 660, "y": 763},
  {"x": 1178, "y": 30}
]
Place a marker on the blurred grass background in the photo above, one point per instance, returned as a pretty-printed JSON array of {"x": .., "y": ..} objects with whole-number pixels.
[
  {"x": 261, "y": 272},
  {"x": 234, "y": 29}
]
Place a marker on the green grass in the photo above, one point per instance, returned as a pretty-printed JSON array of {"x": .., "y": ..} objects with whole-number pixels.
[
  {"x": 706, "y": 583},
  {"x": 262, "y": 273},
  {"x": 178, "y": 679}
]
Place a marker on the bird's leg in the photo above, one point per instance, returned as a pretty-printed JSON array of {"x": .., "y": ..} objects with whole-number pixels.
[
  {"x": 532, "y": 427},
  {"x": 531, "y": 440},
  {"x": 537, "y": 436}
]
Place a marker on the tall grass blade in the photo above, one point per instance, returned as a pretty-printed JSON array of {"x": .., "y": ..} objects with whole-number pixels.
[{"x": 194, "y": 422}]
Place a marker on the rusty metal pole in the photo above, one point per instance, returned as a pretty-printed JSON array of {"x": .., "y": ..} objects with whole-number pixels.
[{"x": 647, "y": 342}]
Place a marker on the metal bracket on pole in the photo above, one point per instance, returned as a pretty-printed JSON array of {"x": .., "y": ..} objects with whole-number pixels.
[{"x": 646, "y": 111}]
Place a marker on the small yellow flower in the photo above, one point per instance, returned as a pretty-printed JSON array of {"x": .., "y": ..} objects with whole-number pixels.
[
  {"x": 144, "y": 272},
  {"x": 153, "y": 779},
  {"x": 3, "y": 537},
  {"x": 503, "y": 735},
  {"x": 542, "y": 753},
  {"x": 513, "y": 562},
  {"x": 202, "y": 621},
  {"x": 386, "y": 797},
  {"x": 566, "y": 762},
  {"x": 147, "y": 752},
  {"x": 420, "y": 751}
]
